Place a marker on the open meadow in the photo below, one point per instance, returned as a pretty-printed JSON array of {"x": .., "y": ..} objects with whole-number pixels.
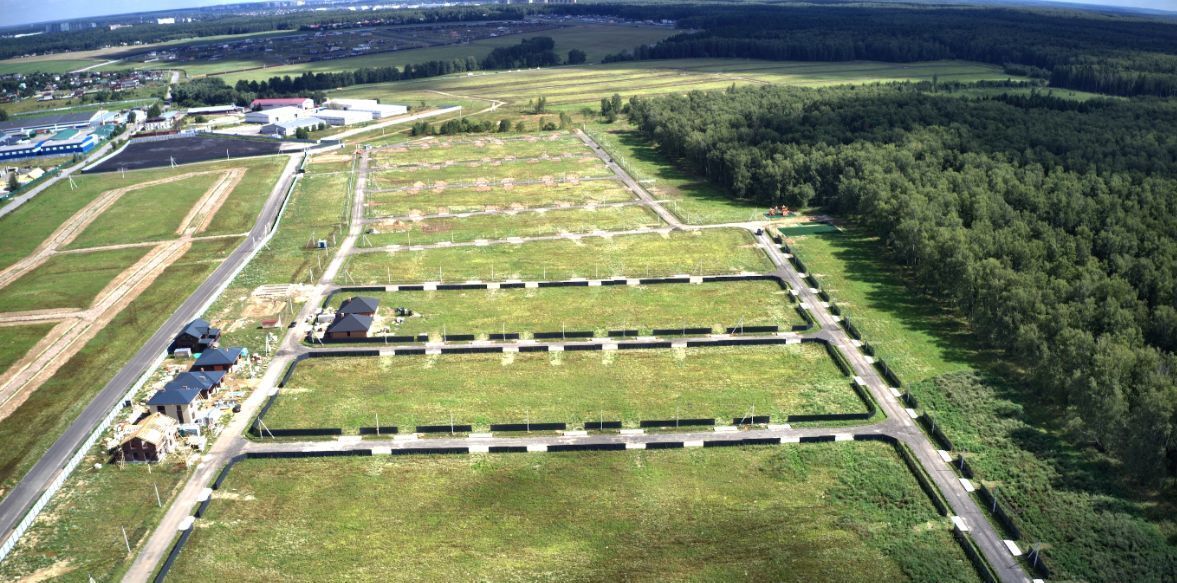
[
  {"x": 424, "y": 201},
  {"x": 15, "y": 341},
  {"x": 719, "y": 383},
  {"x": 715, "y": 305},
  {"x": 1059, "y": 492},
  {"x": 846, "y": 511},
  {"x": 68, "y": 280},
  {"x": 711, "y": 252},
  {"x": 525, "y": 224}
]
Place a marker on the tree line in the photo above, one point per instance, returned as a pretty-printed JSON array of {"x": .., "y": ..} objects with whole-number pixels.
[
  {"x": 1076, "y": 50},
  {"x": 1049, "y": 223}
]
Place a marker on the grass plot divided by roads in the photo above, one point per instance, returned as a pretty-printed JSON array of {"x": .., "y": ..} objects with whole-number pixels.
[
  {"x": 711, "y": 252},
  {"x": 847, "y": 512},
  {"x": 716, "y": 305},
  {"x": 568, "y": 387}
]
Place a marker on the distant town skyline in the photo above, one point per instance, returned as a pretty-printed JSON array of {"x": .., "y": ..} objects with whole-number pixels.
[{"x": 20, "y": 12}]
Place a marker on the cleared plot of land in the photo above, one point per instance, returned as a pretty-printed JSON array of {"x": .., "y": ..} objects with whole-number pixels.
[
  {"x": 15, "y": 341},
  {"x": 596, "y": 40},
  {"x": 28, "y": 226},
  {"x": 845, "y": 512},
  {"x": 79, "y": 534},
  {"x": 694, "y": 200},
  {"x": 146, "y": 214},
  {"x": 550, "y": 309},
  {"x": 424, "y": 201},
  {"x": 570, "y": 387},
  {"x": 67, "y": 281},
  {"x": 187, "y": 150},
  {"x": 59, "y": 400},
  {"x": 527, "y": 224},
  {"x": 586, "y": 166},
  {"x": 716, "y": 251},
  {"x": 443, "y": 150}
]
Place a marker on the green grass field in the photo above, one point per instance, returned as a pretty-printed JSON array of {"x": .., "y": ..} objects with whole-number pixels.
[
  {"x": 442, "y": 149},
  {"x": 29, "y": 225},
  {"x": 317, "y": 210},
  {"x": 68, "y": 281},
  {"x": 79, "y": 534},
  {"x": 129, "y": 221},
  {"x": 717, "y": 251},
  {"x": 402, "y": 203},
  {"x": 847, "y": 512},
  {"x": 714, "y": 305},
  {"x": 241, "y": 209},
  {"x": 596, "y": 40},
  {"x": 528, "y": 224},
  {"x": 27, "y": 66},
  {"x": 570, "y": 387},
  {"x": 59, "y": 401},
  {"x": 15, "y": 341},
  {"x": 571, "y": 88},
  {"x": 1072, "y": 499},
  {"x": 587, "y": 166}
]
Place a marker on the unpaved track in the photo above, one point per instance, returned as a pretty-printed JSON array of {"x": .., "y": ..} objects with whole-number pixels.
[
  {"x": 206, "y": 208},
  {"x": 16, "y": 384},
  {"x": 73, "y": 226}
]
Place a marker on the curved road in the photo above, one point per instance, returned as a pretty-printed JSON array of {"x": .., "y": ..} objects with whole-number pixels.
[{"x": 22, "y": 497}]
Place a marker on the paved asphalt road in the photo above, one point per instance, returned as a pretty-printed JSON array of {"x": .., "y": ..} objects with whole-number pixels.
[{"x": 22, "y": 497}]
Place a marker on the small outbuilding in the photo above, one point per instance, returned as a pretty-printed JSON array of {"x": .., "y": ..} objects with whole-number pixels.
[
  {"x": 218, "y": 359},
  {"x": 152, "y": 440},
  {"x": 349, "y": 326}
]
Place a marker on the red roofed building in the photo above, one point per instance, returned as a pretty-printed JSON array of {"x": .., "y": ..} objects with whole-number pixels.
[{"x": 303, "y": 102}]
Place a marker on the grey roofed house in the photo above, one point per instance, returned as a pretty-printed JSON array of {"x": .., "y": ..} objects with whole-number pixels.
[
  {"x": 197, "y": 336},
  {"x": 217, "y": 359},
  {"x": 350, "y": 323},
  {"x": 361, "y": 305},
  {"x": 177, "y": 396},
  {"x": 204, "y": 381}
]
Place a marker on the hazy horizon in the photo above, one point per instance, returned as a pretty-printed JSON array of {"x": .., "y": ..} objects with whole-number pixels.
[{"x": 35, "y": 11}]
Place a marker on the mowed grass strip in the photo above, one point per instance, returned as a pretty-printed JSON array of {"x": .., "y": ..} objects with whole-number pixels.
[
  {"x": 441, "y": 150},
  {"x": 426, "y": 200},
  {"x": 146, "y": 214},
  {"x": 715, "y": 305},
  {"x": 68, "y": 281},
  {"x": 526, "y": 224},
  {"x": 710, "y": 252},
  {"x": 15, "y": 341},
  {"x": 814, "y": 512},
  {"x": 587, "y": 166},
  {"x": 570, "y": 387}
]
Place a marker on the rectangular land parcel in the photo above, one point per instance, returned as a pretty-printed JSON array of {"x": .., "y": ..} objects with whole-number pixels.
[
  {"x": 563, "y": 387},
  {"x": 845, "y": 511},
  {"x": 715, "y": 305}
]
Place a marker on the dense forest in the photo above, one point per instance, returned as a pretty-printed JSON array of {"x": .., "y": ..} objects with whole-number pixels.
[
  {"x": 1120, "y": 55},
  {"x": 1051, "y": 224}
]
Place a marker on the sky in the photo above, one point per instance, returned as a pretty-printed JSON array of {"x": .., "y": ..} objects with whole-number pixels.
[{"x": 26, "y": 11}]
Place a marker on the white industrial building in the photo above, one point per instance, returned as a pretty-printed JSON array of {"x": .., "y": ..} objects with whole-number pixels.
[
  {"x": 343, "y": 117},
  {"x": 289, "y": 127},
  {"x": 276, "y": 115},
  {"x": 377, "y": 110}
]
